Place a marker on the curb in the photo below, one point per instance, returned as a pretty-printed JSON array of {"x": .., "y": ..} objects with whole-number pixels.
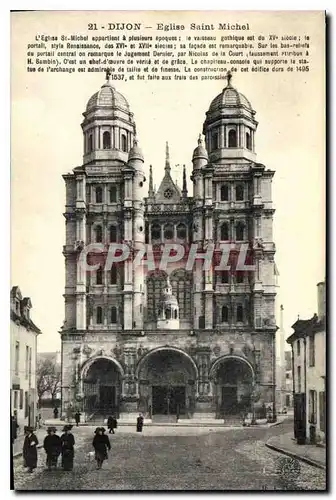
[{"x": 308, "y": 461}]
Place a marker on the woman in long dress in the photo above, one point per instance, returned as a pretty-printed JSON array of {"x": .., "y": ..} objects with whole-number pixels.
[
  {"x": 101, "y": 444},
  {"x": 67, "y": 443},
  {"x": 29, "y": 451}
]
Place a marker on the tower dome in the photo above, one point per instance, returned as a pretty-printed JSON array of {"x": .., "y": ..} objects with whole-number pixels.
[
  {"x": 230, "y": 97},
  {"x": 107, "y": 97},
  {"x": 200, "y": 151},
  {"x": 230, "y": 126},
  {"x": 108, "y": 125},
  {"x": 135, "y": 152}
]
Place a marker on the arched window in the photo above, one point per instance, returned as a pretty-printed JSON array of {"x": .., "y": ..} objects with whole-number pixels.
[
  {"x": 214, "y": 140},
  {"x": 156, "y": 232},
  {"x": 181, "y": 231},
  {"x": 225, "y": 192},
  {"x": 225, "y": 314},
  {"x": 169, "y": 232},
  {"x": 225, "y": 277},
  {"x": 240, "y": 231},
  {"x": 90, "y": 143},
  {"x": 225, "y": 232},
  {"x": 232, "y": 138},
  {"x": 181, "y": 282},
  {"x": 240, "y": 277},
  {"x": 99, "y": 276},
  {"x": 123, "y": 143},
  {"x": 248, "y": 141},
  {"x": 99, "y": 194},
  {"x": 240, "y": 313},
  {"x": 175, "y": 314},
  {"x": 106, "y": 140},
  {"x": 113, "y": 194},
  {"x": 155, "y": 284},
  {"x": 239, "y": 192},
  {"x": 113, "y": 314},
  {"x": 113, "y": 234},
  {"x": 113, "y": 275},
  {"x": 99, "y": 315},
  {"x": 99, "y": 234}
]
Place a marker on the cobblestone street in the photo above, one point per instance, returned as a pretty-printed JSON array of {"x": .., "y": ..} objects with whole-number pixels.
[{"x": 170, "y": 458}]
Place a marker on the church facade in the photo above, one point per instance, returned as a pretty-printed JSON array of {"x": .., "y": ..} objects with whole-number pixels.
[{"x": 190, "y": 341}]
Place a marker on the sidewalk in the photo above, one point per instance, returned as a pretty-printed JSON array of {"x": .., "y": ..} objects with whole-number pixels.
[
  {"x": 18, "y": 443},
  {"x": 181, "y": 423},
  {"x": 309, "y": 453}
]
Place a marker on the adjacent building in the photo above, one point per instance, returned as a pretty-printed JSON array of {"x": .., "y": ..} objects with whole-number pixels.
[
  {"x": 23, "y": 338},
  {"x": 308, "y": 344},
  {"x": 181, "y": 341},
  {"x": 289, "y": 380}
]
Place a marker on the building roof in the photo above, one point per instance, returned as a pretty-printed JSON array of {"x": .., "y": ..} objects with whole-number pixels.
[
  {"x": 107, "y": 97},
  {"x": 305, "y": 327},
  {"x": 25, "y": 322},
  {"x": 20, "y": 316},
  {"x": 230, "y": 97}
]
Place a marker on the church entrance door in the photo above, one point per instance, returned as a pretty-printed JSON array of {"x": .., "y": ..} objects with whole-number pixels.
[
  {"x": 168, "y": 400},
  {"x": 107, "y": 398},
  {"x": 229, "y": 400}
]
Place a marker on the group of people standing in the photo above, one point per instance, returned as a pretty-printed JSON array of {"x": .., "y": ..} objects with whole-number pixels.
[{"x": 53, "y": 445}]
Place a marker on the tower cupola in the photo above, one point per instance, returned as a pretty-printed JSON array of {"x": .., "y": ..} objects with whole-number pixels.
[
  {"x": 108, "y": 125},
  {"x": 230, "y": 126}
]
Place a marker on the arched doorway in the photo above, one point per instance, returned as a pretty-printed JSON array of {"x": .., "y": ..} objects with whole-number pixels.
[
  {"x": 167, "y": 383},
  {"x": 102, "y": 379},
  {"x": 233, "y": 379}
]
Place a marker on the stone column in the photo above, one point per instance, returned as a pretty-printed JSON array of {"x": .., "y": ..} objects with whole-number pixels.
[
  {"x": 222, "y": 140},
  {"x": 96, "y": 138}
]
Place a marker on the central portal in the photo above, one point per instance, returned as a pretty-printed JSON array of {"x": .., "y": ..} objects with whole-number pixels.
[
  {"x": 167, "y": 383},
  {"x": 168, "y": 400}
]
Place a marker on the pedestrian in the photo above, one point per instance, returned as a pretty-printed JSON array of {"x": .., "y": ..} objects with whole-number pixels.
[
  {"x": 140, "y": 422},
  {"x": 77, "y": 417},
  {"x": 29, "y": 451},
  {"x": 14, "y": 426},
  {"x": 101, "y": 444},
  {"x": 67, "y": 448},
  {"x": 55, "y": 412},
  {"x": 52, "y": 446},
  {"x": 112, "y": 424}
]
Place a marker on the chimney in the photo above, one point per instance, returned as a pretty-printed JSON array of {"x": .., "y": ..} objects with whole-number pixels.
[{"x": 321, "y": 300}]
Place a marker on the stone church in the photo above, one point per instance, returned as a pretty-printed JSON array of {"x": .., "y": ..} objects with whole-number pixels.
[{"x": 182, "y": 342}]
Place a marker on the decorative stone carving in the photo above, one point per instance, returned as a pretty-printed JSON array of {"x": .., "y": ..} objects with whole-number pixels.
[
  {"x": 117, "y": 352},
  {"x": 79, "y": 245},
  {"x": 76, "y": 350},
  {"x": 87, "y": 350},
  {"x": 217, "y": 350}
]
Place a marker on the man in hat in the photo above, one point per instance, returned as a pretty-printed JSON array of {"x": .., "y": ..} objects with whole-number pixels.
[
  {"x": 140, "y": 422},
  {"x": 29, "y": 451},
  {"x": 112, "y": 424},
  {"x": 52, "y": 446},
  {"x": 77, "y": 417},
  {"x": 67, "y": 448},
  {"x": 101, "y": 444}
]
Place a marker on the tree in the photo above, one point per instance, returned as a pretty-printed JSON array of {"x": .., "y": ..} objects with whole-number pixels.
[{"x": 48, "y": 379}]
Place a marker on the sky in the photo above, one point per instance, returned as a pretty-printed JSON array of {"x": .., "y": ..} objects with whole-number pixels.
[{"x": 46, "y": 142}]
